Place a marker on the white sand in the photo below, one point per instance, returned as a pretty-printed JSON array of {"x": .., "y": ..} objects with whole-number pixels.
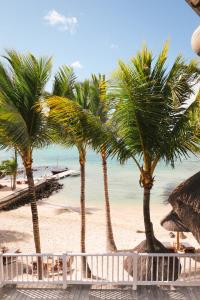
[{"x": 60, "y": 229}]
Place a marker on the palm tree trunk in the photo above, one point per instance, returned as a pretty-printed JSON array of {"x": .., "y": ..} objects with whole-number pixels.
[
  {"x": 85, "y": 268},
  {"x": 15, "y": 173},
  {"x": 82, "y": 203},
  {"x": 147, "y": 219},
  {"x": 14, "y": 181},
  {"x": 11, "y": 182},
  {"x": 110, "y": 243},
  {"x": 35, "y": 219}
]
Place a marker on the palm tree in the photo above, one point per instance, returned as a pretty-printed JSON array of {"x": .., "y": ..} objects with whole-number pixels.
[
  {"x": 153, "y": 118},
  {"x": 75, "y": 127},
  {"x": 22, "y": 125},
  {"x": 99, "y": 106},
  {"x": 81, "y": 97},
  {"x": 9, "y": 167}
]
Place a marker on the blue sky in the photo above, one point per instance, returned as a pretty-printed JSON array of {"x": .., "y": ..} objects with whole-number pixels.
[{"x": 92, "y": 35}]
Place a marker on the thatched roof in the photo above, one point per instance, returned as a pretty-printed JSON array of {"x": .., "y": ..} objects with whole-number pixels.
[
  {"x": 185, "y": 200},
  {"x": 158, "y": 268},
  {"x": 188, "y": 192},
  {"x": 172, "y": 222},
  {"x": 195, "y": 4}
]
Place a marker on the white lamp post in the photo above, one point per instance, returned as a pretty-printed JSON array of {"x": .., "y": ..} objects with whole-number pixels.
[{"x": 195, "y": 41}]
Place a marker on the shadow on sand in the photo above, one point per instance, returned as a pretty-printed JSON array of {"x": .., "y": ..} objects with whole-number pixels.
[
  {"x": 7, "y": 236},
  {"x": 60, "y": 209}
]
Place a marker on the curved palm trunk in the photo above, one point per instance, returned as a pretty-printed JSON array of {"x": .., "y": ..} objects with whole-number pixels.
[
  {"x": 110, "y": 243},
  {"x": 35, "y": 219},
  {"x": 82, "y": 157}
]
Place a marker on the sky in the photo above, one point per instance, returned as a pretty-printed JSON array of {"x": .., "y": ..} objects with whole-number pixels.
[{"x": 92, "y": 35}]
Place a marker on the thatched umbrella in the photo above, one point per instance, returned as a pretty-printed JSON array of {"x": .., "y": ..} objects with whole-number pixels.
[
  {"x": 172, "y": 222},
  {"x": 185, "y": 200},
  {"x": 156, "y": 268}
]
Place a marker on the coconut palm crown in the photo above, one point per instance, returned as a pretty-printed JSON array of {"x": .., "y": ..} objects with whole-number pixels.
[
  {"x": 153, "y": 118},
  {"x": 23, "y": 127}
]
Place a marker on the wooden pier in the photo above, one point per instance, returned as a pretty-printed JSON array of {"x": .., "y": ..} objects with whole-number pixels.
[
  {"x": 40, "y": 184},
  {"x": 16, "y": 196}
]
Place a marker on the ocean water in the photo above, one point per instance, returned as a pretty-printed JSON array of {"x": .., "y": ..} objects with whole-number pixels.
[{"x": 123, "y": 179}]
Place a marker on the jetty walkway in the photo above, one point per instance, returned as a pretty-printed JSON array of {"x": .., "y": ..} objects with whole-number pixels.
[{"x": 40, "y": 184}]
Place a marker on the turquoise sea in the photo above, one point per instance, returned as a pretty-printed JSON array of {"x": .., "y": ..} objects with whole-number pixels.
[{"x": 123, "y": 179}]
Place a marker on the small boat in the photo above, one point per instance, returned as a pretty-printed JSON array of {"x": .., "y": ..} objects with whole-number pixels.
[
  {"x": 74, "y": 173},
  {"x": 58, "y": 170}
]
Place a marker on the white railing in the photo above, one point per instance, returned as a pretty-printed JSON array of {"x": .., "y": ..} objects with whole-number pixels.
[{"x": 110, "y": 268}]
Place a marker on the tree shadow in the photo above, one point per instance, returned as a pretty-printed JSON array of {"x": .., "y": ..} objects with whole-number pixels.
[
  {"x": 7, "y": 236},
  {"x": 60, "y": 209},
  {"x": 76, "y": 209}
]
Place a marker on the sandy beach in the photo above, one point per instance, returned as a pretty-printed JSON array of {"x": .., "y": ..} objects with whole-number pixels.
[{"x": 60, "y": 227}]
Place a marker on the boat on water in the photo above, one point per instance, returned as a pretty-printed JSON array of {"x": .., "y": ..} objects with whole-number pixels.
[
  {"x": 74, "y": 173},
  {"x": 59, "y": 170}
]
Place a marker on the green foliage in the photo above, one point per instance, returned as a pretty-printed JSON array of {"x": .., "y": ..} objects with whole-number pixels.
[
  {"x": 72, "y": 125},
  {"x": 82, "y": 94},
  {"x": 99, "y": 104},
  {"x": 22, "y": 86},
  {"x": 8, "y": 167},
  {"x": 152, "y": 118},
  {"x": 64, "y": 82}
]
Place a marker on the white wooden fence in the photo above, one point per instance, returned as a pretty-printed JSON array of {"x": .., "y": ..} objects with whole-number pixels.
[{"x": 110, "y": 268}]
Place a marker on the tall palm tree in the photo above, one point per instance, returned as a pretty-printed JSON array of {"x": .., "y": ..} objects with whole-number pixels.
[
  {"x": 99, "y": 106},
  {"x": 81, "y": 97},
  {"x": 75, "y": 127},
  {"x": 153, "y": 117},
  {"x": 22, "y": 87}
]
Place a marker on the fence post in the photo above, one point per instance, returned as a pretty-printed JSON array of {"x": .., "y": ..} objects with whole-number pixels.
[
  {"x": 1, "y": 271},
  {"x": 64, "y": 263},
  {"x": 135, "y": 263}
]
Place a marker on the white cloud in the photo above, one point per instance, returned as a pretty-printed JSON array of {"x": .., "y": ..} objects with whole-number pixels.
[
  {"x": 54, "y": 18},
  {"x": 114, "y": 46},
  {"x": 76, "y": 65}
]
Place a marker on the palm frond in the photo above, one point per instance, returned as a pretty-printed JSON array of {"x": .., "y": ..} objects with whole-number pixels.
[
  {"x": 149, "y": 115},
  {"x": 72, "y": 123},
  {"x": 64, "y": 82},
  {"x": 22, "y": 86}
]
